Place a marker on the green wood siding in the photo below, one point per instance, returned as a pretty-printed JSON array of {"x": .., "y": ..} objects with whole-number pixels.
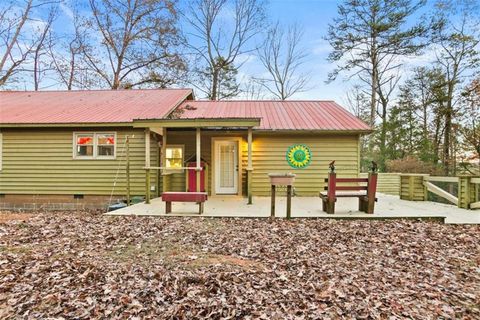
[
  {"x": 40, "y": 161},
  {"x": 269, "y": 155}
]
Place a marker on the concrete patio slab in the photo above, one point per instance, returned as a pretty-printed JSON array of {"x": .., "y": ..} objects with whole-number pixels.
[{"x": 388, "y": 207}]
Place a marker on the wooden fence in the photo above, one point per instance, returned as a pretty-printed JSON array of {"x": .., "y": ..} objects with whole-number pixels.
[
  {"x": 388, "y": 183},
  {"x": 415, "y": 187}
]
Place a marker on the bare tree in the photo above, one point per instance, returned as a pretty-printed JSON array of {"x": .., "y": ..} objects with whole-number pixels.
[
  {"x": 470, "y": 127},
  {"x": 282, "y": 57},
  {"x": 11, "y": 28},
  {"x": 357, "y": 102},
  {"x": 219, "y": 43},
  {"x": 138, "y": 42},
  {"x": 457, "y": 34},
  {"x": 40, "y": 66},
  {"x": 252, "y": 90},
  {"x": 15, "y": 47},
  {"x": 68, "y": 62}
]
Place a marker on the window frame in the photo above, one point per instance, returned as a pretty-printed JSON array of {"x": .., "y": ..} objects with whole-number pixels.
[
  {"x": 173, "y": 170},
  {"x": 95, "y": 155}
]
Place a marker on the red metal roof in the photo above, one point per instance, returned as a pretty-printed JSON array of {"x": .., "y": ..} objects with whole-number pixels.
[
  {"x": 278, "y": 115},
  {"x": 101, "y": 106}
]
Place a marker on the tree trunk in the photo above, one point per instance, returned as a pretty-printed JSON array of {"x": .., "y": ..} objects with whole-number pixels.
[
  {"x": 383, "y": 137},
  {"x": 72, "y": 71},
  {"x": 214, "y": 89},
  {"x": 373, "y": 102},
  {"x": 448, "y": 128},
  {"x": 35, "y": 71}
]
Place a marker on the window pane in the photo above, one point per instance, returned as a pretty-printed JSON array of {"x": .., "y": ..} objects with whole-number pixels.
[
  {"x": 177, "y": 153},
  {"x": 105, "y": 139},
  {"x": 105, "y": 150},
  {"x": 174, "y": 163},
  {"x": 174, "y": 157},
  {"x": 84, "y": 139},
  {"x": 84, "y": 150},
  {"x": 174, "y": 153}
]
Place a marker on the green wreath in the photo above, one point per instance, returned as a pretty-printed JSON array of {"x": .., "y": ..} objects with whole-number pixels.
[{"x": 299, "y": 156}]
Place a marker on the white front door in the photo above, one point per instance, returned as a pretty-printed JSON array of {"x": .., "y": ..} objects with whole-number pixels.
[{"x": 226, "y": 167}]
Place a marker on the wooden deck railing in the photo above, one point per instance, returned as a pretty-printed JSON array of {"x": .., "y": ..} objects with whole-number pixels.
[
  {"x": 388, "y": 183},
  {"x": 415, "y": 187}
]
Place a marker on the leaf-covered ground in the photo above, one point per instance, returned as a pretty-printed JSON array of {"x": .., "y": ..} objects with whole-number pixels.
[{"x": 84, "y": 266}]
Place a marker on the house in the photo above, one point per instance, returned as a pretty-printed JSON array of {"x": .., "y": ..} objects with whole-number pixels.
[{"x": 69, "y": 149}]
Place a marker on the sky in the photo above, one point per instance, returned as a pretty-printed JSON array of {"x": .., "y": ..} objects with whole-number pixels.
[
  {"x": 315, "y": 16},
  {"x": 311, "y": 15}
]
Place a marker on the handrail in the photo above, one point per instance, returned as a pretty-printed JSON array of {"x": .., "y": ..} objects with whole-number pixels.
[
  {"x": 173, "y": 169},
  {"x": 475, "y": 180},
  {"x": 441, "y": 179},
  {"x": 440, "y": 192}
]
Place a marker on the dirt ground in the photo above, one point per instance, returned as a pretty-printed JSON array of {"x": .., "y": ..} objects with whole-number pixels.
[{"x": 84, "y": 266}]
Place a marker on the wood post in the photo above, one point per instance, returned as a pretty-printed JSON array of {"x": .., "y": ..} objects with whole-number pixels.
[
  {"x": 249, "y": 165},
  {"x": 147, "y": 165},
  {"x": 272, "y": 208},
  {"x": 249, "y": 185},
  {"x": 467, "y": 191},
  {"x": 127, "y": 169},
  {"x": 412, "y": 187},
  {"x": 332, "y": 182},
  {"x": 168, "y": 206},
  {"x": 198, "y": 160},
  {"x": 289, "y": 202},
  {"x": 147, "y": 148},
  {"x": 371, "y": 191},
  {"x": 164, "y": 160},
  {"x": 147, "y": 186}
]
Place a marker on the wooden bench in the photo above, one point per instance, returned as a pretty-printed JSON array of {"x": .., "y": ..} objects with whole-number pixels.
[
  {"x": 364, "y": 193},
  {"x": 198, "y": 197}
]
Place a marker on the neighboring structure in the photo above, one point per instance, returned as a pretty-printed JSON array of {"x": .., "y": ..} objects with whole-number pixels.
[{"x": 67, "y": 149}]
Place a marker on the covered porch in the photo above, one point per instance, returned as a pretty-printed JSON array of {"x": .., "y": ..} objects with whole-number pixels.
[{"x": 199, "y": 155}]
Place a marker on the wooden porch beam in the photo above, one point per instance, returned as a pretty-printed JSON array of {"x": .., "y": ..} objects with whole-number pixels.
[
  {"x": 147, "y": 165},
  {"x": 249, "y": 165},
  {"x": 198, "y": 153},
  {"x": 164, "y": 160},
  {"x": 198, "y": 123}
]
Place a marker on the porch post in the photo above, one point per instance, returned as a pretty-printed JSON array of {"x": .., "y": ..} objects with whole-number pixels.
[
  {"x": 164, "y": 159},
  {"x": 249, "y": 166},
  {"x": 198, "y": 167},
  {"x": 147, "y": 165}
]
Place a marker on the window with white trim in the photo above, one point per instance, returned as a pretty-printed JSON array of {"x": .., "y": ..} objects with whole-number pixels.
[
  {"x": 94, "y": 145},
  {"x": 174, "y": 156}
]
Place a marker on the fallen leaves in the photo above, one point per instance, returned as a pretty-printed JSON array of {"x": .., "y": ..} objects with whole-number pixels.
[{"x": 83, "y": 266}]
